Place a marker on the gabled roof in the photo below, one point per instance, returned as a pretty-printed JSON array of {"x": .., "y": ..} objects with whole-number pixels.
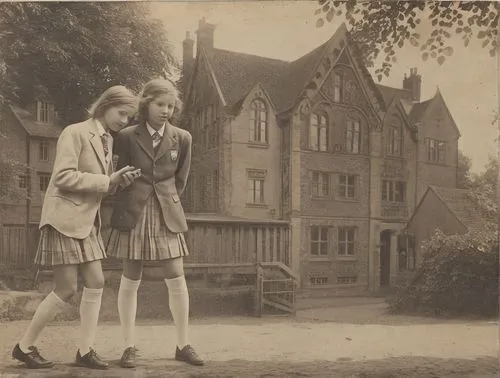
[
  {"x": 390, "y": 93},
  {"x": 418, "y": 110},
  {"x": 237, "y": 73},
  {"x": 298, "y": 74},
  {"x": 34, "y": 128},
  {"x": 462, "y": 206}
]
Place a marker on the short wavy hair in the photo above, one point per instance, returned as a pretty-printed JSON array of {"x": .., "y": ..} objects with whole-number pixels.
[
  {"x": 153, "y": 89},
  {"x": 117, "y": 95}
]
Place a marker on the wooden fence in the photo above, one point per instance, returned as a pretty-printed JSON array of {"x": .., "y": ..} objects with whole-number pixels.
[
  {"x": 18, "y": 245},
  {"x": 211, "y": 239}
]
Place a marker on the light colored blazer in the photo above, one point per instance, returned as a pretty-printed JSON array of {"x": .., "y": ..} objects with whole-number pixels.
[
  {"x": 78, "y": 183},
  {"x": 164, "y": 173}
]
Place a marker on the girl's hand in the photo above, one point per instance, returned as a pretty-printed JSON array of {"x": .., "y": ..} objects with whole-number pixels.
[
  {"x": 116, "y": 177},
  {"x": 129, "y": 177}
]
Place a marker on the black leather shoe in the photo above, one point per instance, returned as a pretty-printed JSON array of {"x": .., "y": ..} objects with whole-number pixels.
[
  {"x": 33, "y": 359},
  {"x": 91, "y": 360},
  {"x": 188, "y": 355},
  {"x": 128, "y": 358}
]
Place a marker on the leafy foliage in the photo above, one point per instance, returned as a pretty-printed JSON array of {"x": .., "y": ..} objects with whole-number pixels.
[
  {"x": 75, "y": 50},
  {"x": 10, "y": 170},
  {"x": 379, "y": 27},
  {"x": 483, "y": 189},
  {"x": 458, "y": 276},
  {"x": 464, "y": 178}
]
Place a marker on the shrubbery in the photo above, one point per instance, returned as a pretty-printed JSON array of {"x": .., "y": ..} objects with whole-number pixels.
[{"x": 458, "y": 276}]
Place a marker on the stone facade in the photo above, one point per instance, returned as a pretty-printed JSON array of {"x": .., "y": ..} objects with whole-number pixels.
[{"x": 344, "y": 160}]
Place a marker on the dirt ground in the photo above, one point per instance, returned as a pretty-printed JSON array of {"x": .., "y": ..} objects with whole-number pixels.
[{"x": 357, "y": 339}]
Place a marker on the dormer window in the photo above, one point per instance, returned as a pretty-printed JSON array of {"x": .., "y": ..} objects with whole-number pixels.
[
  {"x": 394, "y": 140},
  {"x": 258, "y": 122},
  {"x": 44, "y": 111},
  {"x": 318, "y": 132},
  {"x": 337, "y": 87},
  {"x": 353, "y": 136}
]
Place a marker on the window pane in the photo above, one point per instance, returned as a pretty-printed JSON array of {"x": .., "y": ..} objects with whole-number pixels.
[
  {"x": 250, "y": 191},
  {"x": 323, "y": 121},
  {"x": 323, "y": 139},
  {"x": 324, "y": 234},
  {"x": 262, "y": 131},
  {"x": 252, "y": 130},
  {"x": 325, "y": 185},
  {"x": 350, "y": 192},
  {"x": 324, "y": 249},
  {"x": 350, "y": 235},
  {"x": 342, "y": 234},
  {"x": 314, "y": 233}
]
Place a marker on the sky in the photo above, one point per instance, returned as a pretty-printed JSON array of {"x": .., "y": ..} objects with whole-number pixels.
[{"x": 286, "y": 30}]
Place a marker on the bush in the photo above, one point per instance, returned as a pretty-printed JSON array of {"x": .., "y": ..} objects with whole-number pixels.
[{"x": 458, "y": 276}]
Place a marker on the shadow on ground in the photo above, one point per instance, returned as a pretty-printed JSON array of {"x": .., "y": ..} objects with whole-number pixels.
[{"x": 387, "y": 368}]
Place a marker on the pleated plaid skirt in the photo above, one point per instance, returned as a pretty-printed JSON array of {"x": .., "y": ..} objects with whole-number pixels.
[
  {"x": 150, "y": 239},
  {"x": 55, "y": 248}
]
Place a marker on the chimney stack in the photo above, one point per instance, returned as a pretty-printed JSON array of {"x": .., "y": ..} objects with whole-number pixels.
[
  {"x": 187, "y": 61},
  {"x": 205, "y": 34},
  {"x": 413, "y": 84}
]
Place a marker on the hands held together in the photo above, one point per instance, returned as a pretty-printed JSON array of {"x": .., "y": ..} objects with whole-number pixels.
[{"x": 124, "y": 177}]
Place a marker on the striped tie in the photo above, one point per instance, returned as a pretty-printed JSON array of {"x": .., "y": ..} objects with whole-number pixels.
[
  {"x": 156, "y": 141},
  {"x": 105, "y": 143}
]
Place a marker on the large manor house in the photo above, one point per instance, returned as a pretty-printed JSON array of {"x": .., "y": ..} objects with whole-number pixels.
[{"x": 314, "y": 143}]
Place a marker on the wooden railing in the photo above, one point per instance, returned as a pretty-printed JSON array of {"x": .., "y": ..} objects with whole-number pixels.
[
  {"x": 18, "y": 246},
  {"x": 211, "y": 239}
]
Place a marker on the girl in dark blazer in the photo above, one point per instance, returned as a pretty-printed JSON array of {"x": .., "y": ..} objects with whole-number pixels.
[
  {"x": 148, "y": 220},
  {"x": 70, "y": 238}
]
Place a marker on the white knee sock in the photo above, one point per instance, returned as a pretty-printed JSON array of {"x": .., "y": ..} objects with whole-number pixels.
[
  {"x": 127, "y": 308},
  {"x": 45, "y": 312},
  {"x": 178, "y": 298},
  {"x": 89, "y": 315}
]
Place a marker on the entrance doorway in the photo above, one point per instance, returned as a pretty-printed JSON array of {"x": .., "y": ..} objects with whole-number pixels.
[{"x": 385, "y": 258}]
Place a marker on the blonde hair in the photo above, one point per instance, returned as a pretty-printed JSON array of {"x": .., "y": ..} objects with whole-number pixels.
[
  {"x": 153, "y": 89},
  {"x": 117, "y": 95}
]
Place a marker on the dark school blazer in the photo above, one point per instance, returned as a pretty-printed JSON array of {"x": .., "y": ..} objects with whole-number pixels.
[{"x": 164, "y": 174}]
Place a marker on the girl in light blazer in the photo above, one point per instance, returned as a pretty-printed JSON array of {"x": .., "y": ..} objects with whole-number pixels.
[
  {"x": 70, "y": 239},
  {"x": 148, "y": 220}
]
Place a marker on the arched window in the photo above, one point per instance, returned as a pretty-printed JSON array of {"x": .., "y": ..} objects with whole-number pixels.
[
  {"x": 353, "y": 136},
  {"x": 258, "y": 121},
  {"x": 394, "y": 139},
  {"x": 318, "y": 132}
]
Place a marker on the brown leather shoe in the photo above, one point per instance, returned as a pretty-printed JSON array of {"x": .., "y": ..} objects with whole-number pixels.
[
  {"x": 91, "y": 360},
  {"x": 33, "y": 359},
  {"x": 188, "y": 355},
  {"x": 128, "y": 358}
]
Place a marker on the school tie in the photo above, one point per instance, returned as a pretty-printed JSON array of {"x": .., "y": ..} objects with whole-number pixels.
[
  {"x": 156, "y": 137},
  {"x": 156, "y": 141},
  {"x": 105, "y": 143}
]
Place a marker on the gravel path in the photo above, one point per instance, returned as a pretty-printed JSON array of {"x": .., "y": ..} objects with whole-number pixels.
[{"x": 278, "y": 347}]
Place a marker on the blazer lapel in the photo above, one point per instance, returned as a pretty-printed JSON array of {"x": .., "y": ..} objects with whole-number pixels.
[
  {"x": 169, "y": 142},
  {"x": 144, "y": 140},
  {"x": 96, "y": 143}
]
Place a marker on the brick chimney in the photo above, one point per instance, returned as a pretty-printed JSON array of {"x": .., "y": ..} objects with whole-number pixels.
[
  {"x": 413, "y": 84},
  {"x": 187, "y": 61},
  {"x": 205, "y": 34}
]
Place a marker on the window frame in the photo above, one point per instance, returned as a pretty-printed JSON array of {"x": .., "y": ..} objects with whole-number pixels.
[{"x": 259, "y": 122}]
